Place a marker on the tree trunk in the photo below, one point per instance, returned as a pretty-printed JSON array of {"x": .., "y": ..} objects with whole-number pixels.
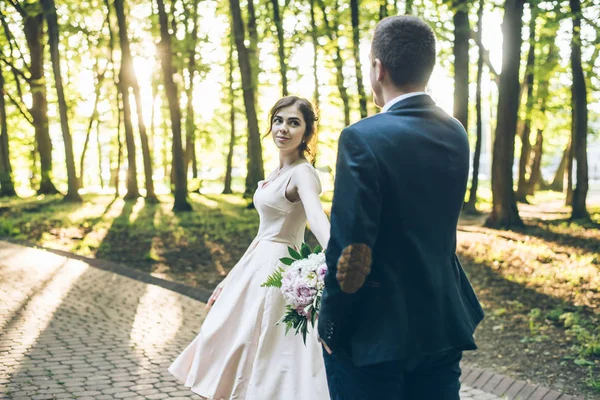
[
  {"x": 536, "y": 165},
  {"x": 522, "y": 186},
  {"x": 255, "y": 164},
  {"x": 281, "y": 47},
  {"x": 543, "y": 93},
  {"x": 117, "y": 181},
  {"x": 181, "y": 203},
  {"x": 7, "y": 187},
  {"x": 114, "y": 176},
  {"x": 383, "y": 9},
  {"x": 194, "y": 163},
  {"x": 146, "y": 156},
  {"x": 33, "y": 26},
  {"x": 253, "y": 49},
  {"x": 190, "y": 125},
  {"x": 332, "y": 34},
  {"x": 362, "y": 98},
  {"x": 408, "y": 10},
  {"x": 52, "y": 20},
  {"x": 471, "y": 206},
  {"x": 568, "y": 189},
  {"x": 99, "y": 80},
  {"x": 99, "y": 146},
  {"x": 315, "y": 42},
  {"x": 229, "y": 165},
  {"x": 165, "y": 155},
  {"x": 132, "y": 82},
  {"x": 132, "y": 183},
  {"x": 462, "y": 32},
  {"x": 127, "y": 80},
  {"x": 504, "y": 209},
  {"x": 558, "y": 182},
  {"x": 579, "y": 123}
]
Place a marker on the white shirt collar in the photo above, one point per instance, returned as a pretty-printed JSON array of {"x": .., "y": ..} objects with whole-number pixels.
[{"x": 390, "y": 103}]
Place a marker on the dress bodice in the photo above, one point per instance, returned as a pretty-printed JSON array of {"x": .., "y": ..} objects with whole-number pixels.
[{"x": 281, "y": 220}]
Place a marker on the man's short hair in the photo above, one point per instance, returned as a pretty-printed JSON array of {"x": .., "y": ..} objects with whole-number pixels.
[{"x": 406, "y": 47}]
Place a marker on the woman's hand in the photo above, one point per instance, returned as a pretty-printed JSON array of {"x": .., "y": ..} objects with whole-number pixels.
[{"x": 215, "y": 295}]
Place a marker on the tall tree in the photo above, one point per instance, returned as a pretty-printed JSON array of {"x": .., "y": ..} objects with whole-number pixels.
[
  {"x": 558, "y": 183},
  {"x": 522, "y": 186},
  {"x": 255, "y": 164},
  {"x": 331, "y": 28},
  {"x": 504, "y": 208},
  {"x": 229, "y": 164},
  {"x": 132, "y": 183},
  {"x": 115, "y": 173},
  {"x": 579, "y": 120},
  {"x": 93, "y": 118},
  {"x": 131, "y": 82},
  {"x": 50, "y": 12},
  {"x": 99, "y": 147},
  {"x": 190, "y": 125},
  {"x": 166, "y": 57},
  {"x": 462, "y": 32},
  {"x": 471, "y": 206},
  {"x": 33, "y": 21},
  {"x": 280, "y": 47},
  {"x": 362, "y": 98},
  {"x": 7, "y": 187},
  {"x": 315, "y": 41},
  {"x": 568, "y": 189},
  {"x": 542, "y": 94},
  {"x": 253, "y": 48}
]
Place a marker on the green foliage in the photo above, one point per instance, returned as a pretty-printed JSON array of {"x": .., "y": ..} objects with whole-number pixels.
[
  {"x": 305, "y": 250},
  {"x": 295, "y": 255},
  {"x": 8, "y": 229},
  {"x": 274, "y": 280}
]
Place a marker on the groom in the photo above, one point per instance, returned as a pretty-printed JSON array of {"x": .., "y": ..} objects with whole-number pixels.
[{"x": 398, "y": 310}]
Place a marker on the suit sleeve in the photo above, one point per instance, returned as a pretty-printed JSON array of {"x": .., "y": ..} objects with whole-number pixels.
[{"x": 355, "y": 220}]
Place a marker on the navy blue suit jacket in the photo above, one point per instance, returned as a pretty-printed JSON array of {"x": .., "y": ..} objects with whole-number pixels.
[{"x": 400, "y": 183}]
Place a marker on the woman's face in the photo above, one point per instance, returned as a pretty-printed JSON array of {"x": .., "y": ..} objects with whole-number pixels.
[{"x": 287, "y": 128}]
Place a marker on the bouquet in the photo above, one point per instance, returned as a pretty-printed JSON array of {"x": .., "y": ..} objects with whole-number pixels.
[{"x": 301, "y": 282}]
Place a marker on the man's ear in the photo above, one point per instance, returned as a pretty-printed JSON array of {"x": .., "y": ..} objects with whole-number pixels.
[{"x": 379, "y": 70}]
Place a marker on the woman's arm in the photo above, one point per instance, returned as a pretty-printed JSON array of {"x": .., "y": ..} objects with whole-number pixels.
[{"x": 306, "y": 181}]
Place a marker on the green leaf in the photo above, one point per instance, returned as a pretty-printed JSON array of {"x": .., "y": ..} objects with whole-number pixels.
[
  {"x": 274, "y": 280},
  {"x": 287, "y": 260},
  {"x": 317, "y": 249},
  {"x": 304, "y": 333},
  {"x": 581, "y": 362},
  {"x": 294, "y": 254},
  {"x": 305, "y": 250}
]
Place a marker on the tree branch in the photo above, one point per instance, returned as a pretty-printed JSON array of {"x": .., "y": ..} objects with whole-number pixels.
[
  {"x": 11, "y": 39},
  {"x": 15, "y": 69},
  {"x": 486, "y": 57},
  {"x": 24, "y": 112},
  {"x": 18, "y": 7}
]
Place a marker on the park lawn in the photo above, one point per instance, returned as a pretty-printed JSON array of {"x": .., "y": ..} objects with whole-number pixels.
[{"x": 539, "y": 285}]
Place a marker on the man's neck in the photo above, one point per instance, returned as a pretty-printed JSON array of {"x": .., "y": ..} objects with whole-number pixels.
[{"x": 393, "y": 92}]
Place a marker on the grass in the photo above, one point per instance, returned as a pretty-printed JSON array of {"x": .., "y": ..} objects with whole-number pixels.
[{"x": 539, "y": 285}]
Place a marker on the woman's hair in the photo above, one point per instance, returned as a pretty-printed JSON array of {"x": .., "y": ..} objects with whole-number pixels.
[{"x": 308, "y": 147}]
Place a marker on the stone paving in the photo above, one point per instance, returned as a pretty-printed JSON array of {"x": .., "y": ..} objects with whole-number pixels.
[{"x": 72, "y": 331}]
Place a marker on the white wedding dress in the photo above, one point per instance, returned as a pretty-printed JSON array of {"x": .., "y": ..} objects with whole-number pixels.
[{"x": 240, "y": 353}]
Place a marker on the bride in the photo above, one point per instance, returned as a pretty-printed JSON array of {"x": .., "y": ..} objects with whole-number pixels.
[{"x": 239, "y": 352}]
